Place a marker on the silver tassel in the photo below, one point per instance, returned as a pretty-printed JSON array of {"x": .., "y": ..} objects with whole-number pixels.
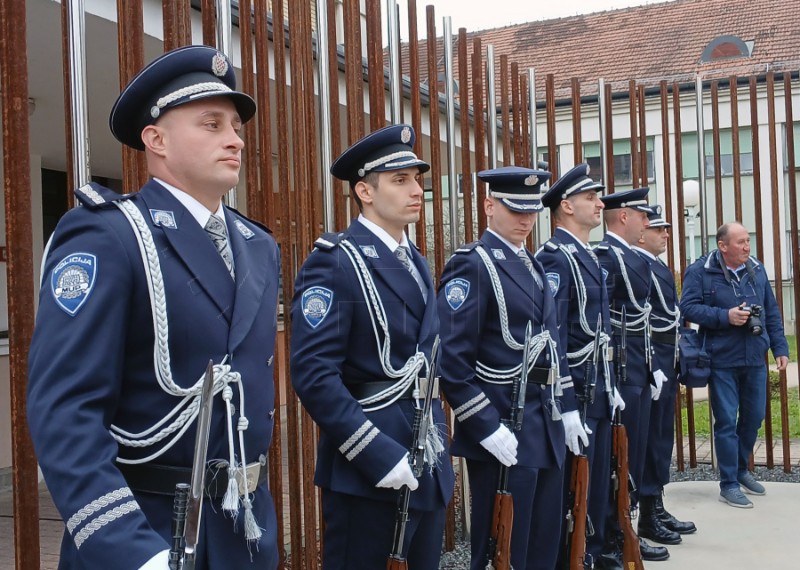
[
  {"x": 434, "y": 446},
  {"x": 252, "y": 532},
  {"x": 230, "y": 502}
]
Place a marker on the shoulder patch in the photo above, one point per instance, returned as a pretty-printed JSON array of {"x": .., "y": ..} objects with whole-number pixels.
[
  {"x": 550, "y": 246},
  {"x": 95, "y": 196},
  {"x": 328, "y": 241},
  {"x": 467, "y": 247},
  {"x": 316, "y": 303},
  {"x": 456, "y": 292},
  {"x": 72, "y": 281},
  {"x": 554, "y": 280}
]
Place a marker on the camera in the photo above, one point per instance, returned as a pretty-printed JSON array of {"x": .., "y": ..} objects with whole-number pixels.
[{"x": 754, "y": 320}]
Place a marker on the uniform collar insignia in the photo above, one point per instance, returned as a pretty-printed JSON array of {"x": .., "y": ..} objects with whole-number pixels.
[
  {"x": 163, "y": 218},
  {"x": 246, "y": 232},
  {"x": 499, "y": 254},
  {"x": 369, "y": 251}
]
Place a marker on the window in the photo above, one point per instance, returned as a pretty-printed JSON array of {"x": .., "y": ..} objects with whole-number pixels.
[{"x": 623, "y": 172}]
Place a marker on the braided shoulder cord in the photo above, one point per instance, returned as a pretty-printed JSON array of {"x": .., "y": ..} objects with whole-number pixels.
[
  {"x": 410, "y": 371},
  {"x": 641, "y": 322},
  {"x": 675, "y": 314}
]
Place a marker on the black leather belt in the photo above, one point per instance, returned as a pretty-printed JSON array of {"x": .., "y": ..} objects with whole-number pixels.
[
  {"x": 541, "y": 376},
  {"x": 161, "y": 479},
  {"x": 663, "y": 337},
  {"x": 365, "y": 390}
]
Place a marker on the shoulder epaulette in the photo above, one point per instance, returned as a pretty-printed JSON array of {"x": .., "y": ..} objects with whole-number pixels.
[
  {"x": 601, "y": 247},
  {"x": 467, "y": 247},
  {"x": 95, "y": 196},
  {"x": 328, "y": 241},
  {"x": 550, "y": 246}
]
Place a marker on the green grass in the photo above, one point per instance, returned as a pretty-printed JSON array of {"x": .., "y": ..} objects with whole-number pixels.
[
  {"x": 702, "y": 425},
  {"x": 792, "y": 347}
]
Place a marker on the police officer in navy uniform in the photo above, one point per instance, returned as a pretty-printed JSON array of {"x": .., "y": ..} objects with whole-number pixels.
[
  {"x": 627, "y": 277},
  {"x": 363, "y": 324},
  {"x": 576, "y": 281},
  {"x": 490, "y": 290},
  {"x": 655, "y": 522},
  {"x": 136, "y": 298}
]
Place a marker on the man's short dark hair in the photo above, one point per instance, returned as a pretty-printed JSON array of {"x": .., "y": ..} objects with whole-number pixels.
[{"x": 371, "y": 178}]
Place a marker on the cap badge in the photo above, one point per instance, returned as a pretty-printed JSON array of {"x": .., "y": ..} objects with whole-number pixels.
[
  {"x": 531, "y": 180},
  {"x": 219, "y": 64},
  {"x": 405, "y": 135},
  {"x": 588, "y": 169},
  {"x": 155, "y": 111}
]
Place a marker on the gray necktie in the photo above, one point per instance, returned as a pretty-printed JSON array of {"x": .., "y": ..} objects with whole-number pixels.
[
  {"x": 216, "y": 231},
  {"x": 523, "y": 255},
  {"x": 401, "y": 253},
  {"x": 593, "y": 256}
]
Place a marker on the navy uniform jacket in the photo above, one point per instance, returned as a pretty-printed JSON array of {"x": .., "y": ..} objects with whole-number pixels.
[
  {"x": 565, "y": 290},
  {"x": 660, "y": 317},
  {"x": 471, "y": 332},
  {"x": 95, "y": 368},
  {"x": 729, "y": 346},
  {"x": 638, "y": 271},
  {"x": 334, "y": 345}
]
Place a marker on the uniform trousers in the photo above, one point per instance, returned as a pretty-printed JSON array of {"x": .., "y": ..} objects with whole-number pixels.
[
  {"x": 537, "y": 498},
  {"x": 359, "y": 532}
]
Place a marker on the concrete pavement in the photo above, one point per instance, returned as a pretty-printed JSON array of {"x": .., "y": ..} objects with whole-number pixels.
[{"x": 762, "y": 538}]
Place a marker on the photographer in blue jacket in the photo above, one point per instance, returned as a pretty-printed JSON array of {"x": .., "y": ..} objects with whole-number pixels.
[{"x": 728, "y": 294}]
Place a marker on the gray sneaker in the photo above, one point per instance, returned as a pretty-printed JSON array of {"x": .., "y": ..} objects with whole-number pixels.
[
  {"x": 750, "y": 485},
  {"x": 735, "y": 498}
]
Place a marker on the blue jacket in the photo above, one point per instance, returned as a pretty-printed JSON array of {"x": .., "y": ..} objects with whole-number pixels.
[
  {"x": 334, "y": 349},
  {"x": 638, "y": 272},
  {"x": 472, "y": 333},
  {"x": 564, "y": 286},
  {"x": 664, "y": 341},
  {"x": 729, "y": 346},
  {"x": 92, "y": 365}
]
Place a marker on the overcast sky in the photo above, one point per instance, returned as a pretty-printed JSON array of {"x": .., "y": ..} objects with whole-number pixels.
[{"x": 482, "y": 14}]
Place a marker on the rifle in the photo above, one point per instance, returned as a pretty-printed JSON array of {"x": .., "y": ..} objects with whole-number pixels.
[
  {"x": 498, "y": 553},
  {"x": 416, "y": 459},
  {"x": 188, "y": 502},
  {"x": 578, "y": 523},
  {"x": 620, "y": 477}
]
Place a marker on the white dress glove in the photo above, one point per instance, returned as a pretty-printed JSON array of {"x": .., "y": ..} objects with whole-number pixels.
[
  {"x": 158, "y": 562},
  {"x": 575, "y": 431},
  {"x": 503, "y": 445},
  {"x": 401, "y": 474},
  {"x": 616, "y": 401},
  {"x": 660, "y": 378}
]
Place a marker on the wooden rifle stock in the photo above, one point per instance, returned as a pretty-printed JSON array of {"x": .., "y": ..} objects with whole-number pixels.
[
  {"x": 631, "y": 556},
  {"x": 577, "y": 515},
  {"x": 396, "y": 564},
  {"x": 500, "y": 538}
]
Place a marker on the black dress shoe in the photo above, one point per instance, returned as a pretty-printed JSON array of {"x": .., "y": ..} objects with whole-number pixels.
[
  {"x": 650, "y": 526},
  {"x": 669, "y": 521},
  {"x": 653, "y": 553},
  {"x": 609, "y": 561}
]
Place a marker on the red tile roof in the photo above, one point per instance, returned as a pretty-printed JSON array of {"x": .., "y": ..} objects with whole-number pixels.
[{"x": 647, "y": 43}]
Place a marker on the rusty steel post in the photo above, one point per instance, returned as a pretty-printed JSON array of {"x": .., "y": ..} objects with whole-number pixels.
[
  {"x": 634, "y": 141},
  {"x": 777, "y": 256},
  {"x": 354, "y": 71},
  {"x": 480, "y": 132},
  {"x": 737, "y": 167},
  {"x": 254, "y": 198},
  {"x": 287, "y": 242},
  {"x": 642, "y": 136},
  {"x": 435, "y": 138},
  {"x": 491, "y": 108},
  {"x": 450, "y": 128},
  {"x": 517, "y": 115},
  {"x": 701, "y": 162},
  {"x": 609, "y": 141},
  {"x": 577, "y": 141},
  {"x": 208, "y": 10},
  {"x": 603, "y": 121},
  {"x": 795, "y": 247},
  {"x": 533, "y": 116},
  {"x": 377, "y": 90},
  {"x": 177, "y": 16},
  {"x": 464, "y": 120},
  {"x": 505, "y": 122},
  {"x": 130, "y": 43},
  {"x": 420, "y": 229},
  {"x": 338, "y": 187},
  {"x": 552, "y": 150},
  {"x": 667, "y": 162},
  {"x": 264, "y": 118},
  {"x": 720, "y": 215},
  {"x": 311, "y": 136},
  {"x": 395, "y": 69},
  {"x": 19, "y": 272}
]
